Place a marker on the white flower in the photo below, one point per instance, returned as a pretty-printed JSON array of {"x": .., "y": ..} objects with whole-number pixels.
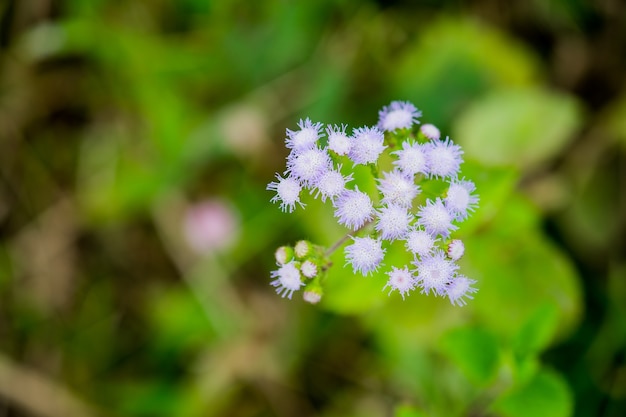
[
  {"x": 411, "y": 159},
  {"x": 436, "y": 218},
  {"x": 393, "y": 222},
  {"x": 287, "y": 280},
  {"x": 308, "y": 269},
  {"x": 443, "y": 158},
  {"x": 287, "y": 192},
  {"x": 367, "y": 145},
  {"x": 338, "y": 140},
  {"x": 309, "y": 165},
  {"x": 353, "y": 209},
  {"x": 331, "y": 184},
  {"x": 400, "y": 280},
  {"x": 459, "y": 199},
  {"x": 365, "y": 254},
  {"x": 398, "y": 115},
  {"x": 397, "y": 188},
  {"x": 305, "y": 138},
  {"x": 460, "y": 288},
  {"x": 419, "y": 242},
  {"x": 434, "y": 272}
]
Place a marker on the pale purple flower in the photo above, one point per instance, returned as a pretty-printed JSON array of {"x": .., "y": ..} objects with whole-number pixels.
[
  {"x": 411, "y": 159},
  {"x": 397, "y": 188},
  {"x": 287, "y": 280},
  {"x": 365, "y": 254},
  {"x": 287, "y": 192},
  {"x": 367, "y": 145},
  {"x": 436, "y": 218},
  {"x": 305, "y": 138},
  {"x": 460, "y": 288},
  {"x": 338, "y": 141},
  {"x": 353, "y": 209},
  {"x": 393, "y": 222},
  {"x": 331, "y": 184},
  {"x": 312, "y": 297},
  {"x": 459, "y": 199},
  {"x": 434, "y": 272},
  {"x": 455, "y": 249},
  {"x": 309, "y": 165},
  {"x": 443, "y": 158},
  {"x": 400, "y": 280},
  {"x": 398, "y": 115},
  {"x": 419, "y": 242},
  {"x": 430, "y": 131}
]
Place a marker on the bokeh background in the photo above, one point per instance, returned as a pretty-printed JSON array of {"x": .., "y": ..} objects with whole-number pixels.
[{"x": 137, "y": 236}]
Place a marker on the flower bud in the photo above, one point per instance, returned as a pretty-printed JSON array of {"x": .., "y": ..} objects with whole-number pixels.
[
  {"x": 430, "y": 131},
  {"x": 309, "y": 269},
  {"x": 283, "y": 255},
  {"x": 302, "y": 249},
  {"x": 456, "y": 249}
]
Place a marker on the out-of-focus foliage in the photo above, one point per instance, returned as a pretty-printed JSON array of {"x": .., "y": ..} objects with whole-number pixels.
[{"x": 116, "y": 117}]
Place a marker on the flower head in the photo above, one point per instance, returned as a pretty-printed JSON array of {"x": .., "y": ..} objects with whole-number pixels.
[
  {"x": 287, "y": 192},
  {"x": 393, "y": 222},
  {"x": 419, "y": 242},
  {"x": 443, "y": 158},
  {"x": 338, "y": 140},
  {"x": 430, "y": 131},
  {"x": 455, "y": 249},
  {"x": 331, "y": 184},
  {"x": 287, "y": 280},
  {"x": 459, "y": 199},
  {"x": 411, "y": 159},
  {"x": 353, "y": 209},
  {"x": 365, "y": 254},
  {"x": 305, "y": 138},
  {"x": 308, "y": 269},
  {"x": 460, "y": 288},
  {"x": 436, "y": 218},
  {"x": 398, "y": 115},
  {"x": 309, "y": 165},
  {"x": 400, "y": 280},
  {"x": 434, "y": 272},
  {"x": 397, "y": 188},
  {"x": 367, "y": 145}
]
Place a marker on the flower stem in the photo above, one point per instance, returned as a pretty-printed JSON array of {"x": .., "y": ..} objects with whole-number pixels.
[{"x": 343, "y": 240}]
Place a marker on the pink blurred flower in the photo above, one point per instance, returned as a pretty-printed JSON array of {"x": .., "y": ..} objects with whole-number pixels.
[{"x": 211, "y": 225}]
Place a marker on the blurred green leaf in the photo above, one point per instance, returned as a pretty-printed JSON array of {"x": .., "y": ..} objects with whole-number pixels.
[
  {"x": 409, "y": 411},
  {"x": 457, "y": 59},
  {"x": 519, "y": 127},
  {"x": 474, "y": 350},
  {"x": 538, "y": 331},
  {"x": 547, "y": 394}
]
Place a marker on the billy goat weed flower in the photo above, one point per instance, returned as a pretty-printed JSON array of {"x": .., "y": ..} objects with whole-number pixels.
[{"x": 390, "y": 206}]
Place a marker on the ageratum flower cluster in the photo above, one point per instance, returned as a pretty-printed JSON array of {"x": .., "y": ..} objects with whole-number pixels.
[{"x": 321, "y": 159}]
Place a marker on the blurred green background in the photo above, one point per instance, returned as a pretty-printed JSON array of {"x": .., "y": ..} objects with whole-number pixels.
[{"x": 137, "y": 236}]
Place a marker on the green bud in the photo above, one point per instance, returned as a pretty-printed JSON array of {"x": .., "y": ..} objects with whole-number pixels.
[{"x": 283, "y": 255}]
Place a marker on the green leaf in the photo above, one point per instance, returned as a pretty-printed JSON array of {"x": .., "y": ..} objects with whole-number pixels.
[
  {"x": 538, "y": 331},
  {"x": 518, "y": 127},
  {"x": 474, "y": 351},
  {"x": 545, "y": 395}
]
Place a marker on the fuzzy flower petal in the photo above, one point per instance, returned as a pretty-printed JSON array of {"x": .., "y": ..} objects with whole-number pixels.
[
  {"x": 400, "y": 280},
  {"x": 353, "y": 209},
  {"x": 305, "y": 138},
  {"x": 309, "y": 165},
  {"x": 460, "y": 288},
  {"x": 287, "y": 280},
  {"x": 411, "y": 159},
  {"x": 436, "y": 218},
  {"x": 365, "y": 254},
  {"x": 435, "y": 272},
  {"x": 419, "y": 242},
  {"x": 443, "y": 158},
  {"x": 397, "y": 188},
  {"x": 287, "y": 192},
  {"x": 460, "y": 200},
  {"x": 398, "y": 115},
  {"x": 393, "y": 222},
  {"x": 367, "y": 145},
  {"x": 338, "y": 141},
  {"x": 331, "y": 184}
]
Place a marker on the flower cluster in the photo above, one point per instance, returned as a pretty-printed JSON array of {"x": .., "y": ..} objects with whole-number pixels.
[{"x": 322, "y": 160}]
